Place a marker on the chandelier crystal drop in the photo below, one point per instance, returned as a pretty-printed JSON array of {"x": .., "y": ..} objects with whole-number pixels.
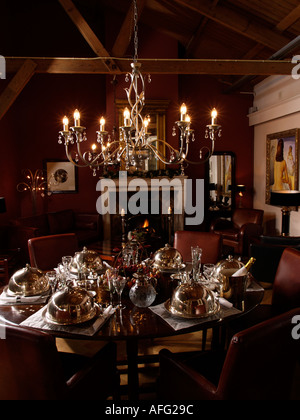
[{"x": 135, "y": 144}]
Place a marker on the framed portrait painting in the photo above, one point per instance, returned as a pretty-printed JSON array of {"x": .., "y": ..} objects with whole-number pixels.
[
  {"x": 282, "y": 161},
  {"x": 62, "y": 176}
]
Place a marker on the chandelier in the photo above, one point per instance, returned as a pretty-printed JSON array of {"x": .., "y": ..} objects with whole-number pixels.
[{"x": 135, "y": 144}]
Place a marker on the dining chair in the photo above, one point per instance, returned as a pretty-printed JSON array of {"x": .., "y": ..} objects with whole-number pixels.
[
  {"x": 31, "y": 368},
  {"x": 238, "y": 232},
  {"x": 241, "y": 373},
  {"x": 210, "y": 243},
  {"x": 46, "y": 252}
]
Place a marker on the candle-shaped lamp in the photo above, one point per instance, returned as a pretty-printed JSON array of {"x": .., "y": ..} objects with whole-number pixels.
[
  {"x": 65, "y": 124},
  {"x": 76, "y": 118},
  {"x": 126, "y": 115},
  {"x": 102, "y": 124},
  {"x": 187, "y": 118},
  {"x": 122, "y": 212},
  {"x": 146, "y": 123},
  {"x": 183, "y": 112},
  {"x": 213, "y": 116}
]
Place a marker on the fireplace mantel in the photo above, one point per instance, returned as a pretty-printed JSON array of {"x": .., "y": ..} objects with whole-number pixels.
[{"x": 163, "y": 183}]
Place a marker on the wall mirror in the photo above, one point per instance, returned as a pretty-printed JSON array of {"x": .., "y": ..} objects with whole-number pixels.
[
  {"x": 221, "y": 182},
  {"x": 157, "y": 110}
]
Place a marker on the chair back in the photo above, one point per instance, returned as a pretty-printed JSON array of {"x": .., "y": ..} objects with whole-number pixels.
[
  {"x": 46, "y": 252},
  {"x": 242, "y": 216},
  {"x": 260, "y": 362},
  {"x": 286, "y": 287},
  {"x": 210, "y": 243},
  {"x": 30, "y": 367}
]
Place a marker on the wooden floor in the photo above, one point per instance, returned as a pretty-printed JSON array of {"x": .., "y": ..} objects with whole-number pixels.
[{"x": 148, "y": 373}]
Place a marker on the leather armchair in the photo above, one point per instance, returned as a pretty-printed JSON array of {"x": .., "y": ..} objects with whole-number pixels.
[
  {"x": 210, "y": 243},
  {"x": 285, "y": 293},
  {"x": 237, "y": 233},
  {"x": 32, "y": 369},
  {"x": 46, "y": 252},
  {"x": 239, "y": 374}
]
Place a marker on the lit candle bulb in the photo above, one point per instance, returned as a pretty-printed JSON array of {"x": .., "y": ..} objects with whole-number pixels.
[
  {"x": 126, "y": 115},
  {"x": 146, "y": 123},
  {"x": 122, "y": 212},
  {"x": 183, "y": 112},
  {"x": 65, "y": 124},
  {"x": 170, "y": 210},
  {"x": 188, "y": 118},
  {"x": 94, "y": 147},
  {"x": 213, "y": 116},
  {"x": 102, "y": 124},
  {"x": 76, "y": 118}
]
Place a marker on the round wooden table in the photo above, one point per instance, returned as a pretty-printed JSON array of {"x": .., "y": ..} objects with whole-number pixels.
[{"x": 131, "y": 325}]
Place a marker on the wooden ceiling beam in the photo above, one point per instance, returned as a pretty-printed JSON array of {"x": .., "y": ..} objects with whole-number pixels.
[
  {"x": 88, "y": 33},
  {"x": 237, "y": 22},
  {"x": 289, "y": 20},
  {"x": 156, "y": 66},
  {"x": 16, "y": 85},
  {"x": 124, "y": 37}
]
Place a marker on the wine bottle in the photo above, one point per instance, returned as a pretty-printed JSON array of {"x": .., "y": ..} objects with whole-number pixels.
[{"x": 243, "y": 271}]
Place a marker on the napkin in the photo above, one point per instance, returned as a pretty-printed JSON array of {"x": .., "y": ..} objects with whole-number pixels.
[
  {"x": 7, "y": 298},
  {"x": 38, "y": 320},
  {"x": 181, "y": 323}
]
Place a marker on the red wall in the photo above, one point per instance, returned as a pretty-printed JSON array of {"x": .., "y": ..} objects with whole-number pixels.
[{"x": 29, "y": 130}]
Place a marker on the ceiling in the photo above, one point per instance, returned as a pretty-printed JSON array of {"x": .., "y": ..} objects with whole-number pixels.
[{"x": 238, "y": 41}]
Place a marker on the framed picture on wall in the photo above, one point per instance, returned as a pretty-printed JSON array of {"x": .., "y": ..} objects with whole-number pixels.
[
  {"x": 282, "y": 161},
  {"x": 62, "y": 176}
]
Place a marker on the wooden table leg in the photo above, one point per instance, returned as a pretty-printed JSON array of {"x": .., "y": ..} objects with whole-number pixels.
[{"x": 133, "y": 374}]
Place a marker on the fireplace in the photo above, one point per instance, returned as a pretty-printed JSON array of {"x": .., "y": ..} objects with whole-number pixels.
[{"x": 159, "y": 206}]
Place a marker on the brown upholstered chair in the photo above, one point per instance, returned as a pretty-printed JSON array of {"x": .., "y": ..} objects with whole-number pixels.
[
  {"x": 240, "y": 374},
  {"x": 209, "y": 242},
  {"x": 46, "y": 252},
  {"x": 237, "y": 232},
  {"x": 31, "y": 368},
  {"x": 285, "y": 293}
]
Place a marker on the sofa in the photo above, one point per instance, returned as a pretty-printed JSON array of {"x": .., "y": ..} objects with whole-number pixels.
[{"x": 86, "y": 226}]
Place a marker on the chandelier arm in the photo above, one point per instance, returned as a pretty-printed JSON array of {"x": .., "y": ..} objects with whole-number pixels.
[{"x": 160, "y": 157}]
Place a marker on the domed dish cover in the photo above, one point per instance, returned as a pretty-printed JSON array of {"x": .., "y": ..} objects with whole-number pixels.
[
  {"x": 28, "y": 281},
  {"x": 72, "y": 305},
  {"x": 167, "y": 258},
  {"x": 88, "y": 261},
  {"x": 192, "y": 300},
  {"x": 224, "y": 270}
]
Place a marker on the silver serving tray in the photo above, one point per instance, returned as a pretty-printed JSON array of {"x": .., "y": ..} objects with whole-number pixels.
[
  {"x": 167, "y": 305},
  {"x": 95, "y": 312}
]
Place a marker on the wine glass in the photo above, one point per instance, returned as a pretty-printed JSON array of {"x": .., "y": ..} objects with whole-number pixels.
[
  {"x": 196, "y": 252},
  {"x": 67, "y": 261},
  {"x": 51, "y": 277},
  {"x": 110, "y": 274},
  {"x": 119, "y": 283}
]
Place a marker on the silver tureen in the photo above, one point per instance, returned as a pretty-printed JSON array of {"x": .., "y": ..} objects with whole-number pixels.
[
  {"x": 72, "y": 305},
  {"x": 168, "y": 258},
  {"x": 87, "y": 261},
  {"x": 29, "y": 281},
  {"x": 192, "y": 300}
]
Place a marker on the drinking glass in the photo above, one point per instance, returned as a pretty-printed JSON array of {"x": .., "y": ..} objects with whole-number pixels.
[
  {"x": 119, "y": 283},
  {"x": 51, "y": 277},
  {"x": 67, "y": 261},
  {"x": 196, "y": 252},
  {"x": 110, "y": 275}
]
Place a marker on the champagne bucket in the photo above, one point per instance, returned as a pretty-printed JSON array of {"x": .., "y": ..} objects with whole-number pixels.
[{"x": 237, "y": 290}]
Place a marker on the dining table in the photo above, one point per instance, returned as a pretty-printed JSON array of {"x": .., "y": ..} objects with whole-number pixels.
[{"x": 131, "y": 324}]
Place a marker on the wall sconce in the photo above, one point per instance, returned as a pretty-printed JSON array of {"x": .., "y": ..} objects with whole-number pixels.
[
  {"x": 240, "y": 190},
  {"x": 285, "y": 199}
]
